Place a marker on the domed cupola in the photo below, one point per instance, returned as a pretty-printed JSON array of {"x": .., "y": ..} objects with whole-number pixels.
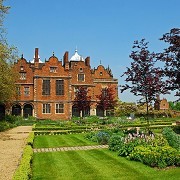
[{"x": 76, "y": 57}]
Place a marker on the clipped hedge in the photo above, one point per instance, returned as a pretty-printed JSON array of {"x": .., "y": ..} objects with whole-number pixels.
[
  {"x": 23, "y": 172},
  {"x": 30, "y": 139}
]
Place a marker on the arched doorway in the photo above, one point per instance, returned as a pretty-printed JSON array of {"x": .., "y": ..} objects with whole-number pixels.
[
  {"x": 75, "y": 111},
  {"x": 16, "y": 110},
  {"x": 99, "y": 111},
  {"x": 27, "y": 111},
  {"x": 2, "y": 111}
]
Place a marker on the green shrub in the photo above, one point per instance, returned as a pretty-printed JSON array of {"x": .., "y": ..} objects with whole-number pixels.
[
  {"x": 129, "y": 146},
  {"x": 23, "y": 172},
  {"x": 116, "y": 142},
  {"x": 102, "y": 137},
  {"x": 172, "y": 138},
  {"x": 91, "y": 136},
  {"x": 159, "y": 156},
  {"x": 176, "y": 129}
]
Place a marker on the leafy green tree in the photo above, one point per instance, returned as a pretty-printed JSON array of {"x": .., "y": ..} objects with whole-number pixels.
[{"x": 7, "y": 56}]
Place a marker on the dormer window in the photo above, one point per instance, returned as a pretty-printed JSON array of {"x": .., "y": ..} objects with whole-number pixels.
[
  {"x": 23, "y": 76},
  {"x": 53, "y": 69}
]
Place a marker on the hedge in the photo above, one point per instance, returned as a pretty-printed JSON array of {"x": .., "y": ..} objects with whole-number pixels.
[{"x": 23, "y": 172}]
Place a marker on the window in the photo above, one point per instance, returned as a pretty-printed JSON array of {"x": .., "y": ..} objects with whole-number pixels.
[
  {"x": 53, "y": 69},
  {"x": 59, "y": 87},
  {"x": 46, "y": 87},
  {"x": 46, "y": 108},
  {"x": 26, "y": 91},
  {"x": 80, "y": 77},
  {"x": 104, "y": 92},
  {"x": 80, "y": 69},
  {"x": 59, "y": 108},
  {"x": 22, "y": 76},
  {"x": 100, "y": 73},
  {"x": 18, "y": 91}
]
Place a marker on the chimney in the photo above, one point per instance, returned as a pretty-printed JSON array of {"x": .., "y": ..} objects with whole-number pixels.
[
  {"x": 87, "y": 61},
  {"x": 66, "y": 61},
  {"x": 36, "y": 59},
  {"x": 65, "y": 58},
  {"x": 36, "y": 55}
]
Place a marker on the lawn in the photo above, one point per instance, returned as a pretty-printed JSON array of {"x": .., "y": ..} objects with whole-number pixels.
[
  {"x": 46, "y": 141},
  {"x": 94, "y": 164}
]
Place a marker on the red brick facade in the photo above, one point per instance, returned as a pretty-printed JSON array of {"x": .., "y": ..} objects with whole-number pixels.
[{"x": 47, "y": 90}]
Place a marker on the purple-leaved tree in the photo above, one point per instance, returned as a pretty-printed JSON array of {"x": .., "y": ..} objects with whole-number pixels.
[
  {"x": 142, "y": 77},
  {"x": 171, "y": 58},
  {"x": 82, "y": 101}
]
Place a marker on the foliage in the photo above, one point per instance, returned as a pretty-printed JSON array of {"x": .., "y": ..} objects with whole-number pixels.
[
  {"x": 116, "y": 142},
  {"x": 174, "y": 106},
  {"x": 172, "y": 138},
  {"x": 146, "y": 79},
  {"x": 102, "y": 137},
  {"x": 106, "y": 99},
  {"x": 171, "y": 57},
  {"x": 23, "y": 172},
  {"x": 129, "y": 146},
  {"x": 125, "y": 109},
  {"x": 82, "y": 101},
  {"x": 160, "y": 156},
  {"x": 7, "y": 55},
  {"x": 30, "y": 139}
]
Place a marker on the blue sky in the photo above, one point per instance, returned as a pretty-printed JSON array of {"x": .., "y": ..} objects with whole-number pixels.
[{"x": 102, "y": 29}]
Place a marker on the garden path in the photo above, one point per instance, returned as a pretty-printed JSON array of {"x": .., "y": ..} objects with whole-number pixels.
[
  {"x": 12, "y": 143},
  {"x": 70, "y": 148}
]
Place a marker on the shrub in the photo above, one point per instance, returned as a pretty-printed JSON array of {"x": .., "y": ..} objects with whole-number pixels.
[
  {"x": 102, "y": 137},
  {"x": 23, "y": 172},
  {"x": 172, "y": 138},
  {"x": 128, "y": 147},
  {"x": 116, "y": 142},
  {"x": 91, "y": 136},
  {"x": 156, "y": 156}
]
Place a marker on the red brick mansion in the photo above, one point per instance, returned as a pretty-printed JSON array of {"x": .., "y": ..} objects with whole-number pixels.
[{"x": 46, "y": 90}]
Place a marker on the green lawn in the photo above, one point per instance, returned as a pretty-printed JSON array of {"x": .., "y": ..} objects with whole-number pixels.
[
  {"x": 94, "y": 164},
  {"x": 45, "y": 141}
]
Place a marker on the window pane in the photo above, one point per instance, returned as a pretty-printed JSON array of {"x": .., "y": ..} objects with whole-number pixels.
[
  {"x": 59, "y": 87},
  {"x": 59, "y": 108},
  {"x": 46, "y": 87},
  {"x": 80, "y": 77}
]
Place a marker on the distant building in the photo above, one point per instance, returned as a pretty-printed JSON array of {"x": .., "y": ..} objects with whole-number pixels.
[
  {"x": 46, "y": 90},
  {"x": 161, "y": 104}
]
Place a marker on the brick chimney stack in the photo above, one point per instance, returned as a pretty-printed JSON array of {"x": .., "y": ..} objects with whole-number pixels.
[
  {"x": 36, "y": 59},
  {"x": 66, "y": 61},
  {"x": 87, "y": 61}
]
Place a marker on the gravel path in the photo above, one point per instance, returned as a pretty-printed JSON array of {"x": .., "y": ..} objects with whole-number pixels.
[{"x": 12, "y": 143}]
